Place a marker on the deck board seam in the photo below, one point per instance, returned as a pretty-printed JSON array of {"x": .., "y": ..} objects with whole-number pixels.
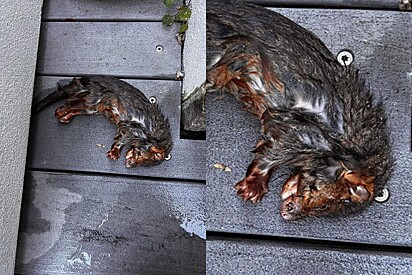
[
  {"x": 117, "y": 175},
  {"x": 99, "y": 20},
  {"x": 307, "y": 242},
  {"x": 138, "y": 77}
]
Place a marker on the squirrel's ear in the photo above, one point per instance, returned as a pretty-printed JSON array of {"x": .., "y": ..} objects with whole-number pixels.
[
  {"x": 356, "y": 178},
  {"x": 361, "y": 186},
  {"x": 77, "y": 82}
]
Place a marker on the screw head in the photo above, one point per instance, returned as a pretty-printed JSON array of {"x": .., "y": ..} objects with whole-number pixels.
[
  {"x": 152, "y": 99},
  {"x": 384, "y": 196},
  {"x": 159, "y": 48},
  {"x": 168, "y": 157},
  {"x": 345, "y": 57}
]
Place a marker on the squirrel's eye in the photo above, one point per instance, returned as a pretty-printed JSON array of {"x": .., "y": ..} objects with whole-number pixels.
[{"x": 324, "y": 207}]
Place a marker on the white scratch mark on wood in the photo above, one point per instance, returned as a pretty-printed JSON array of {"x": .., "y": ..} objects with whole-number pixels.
[{"x": 106, "y": 218}]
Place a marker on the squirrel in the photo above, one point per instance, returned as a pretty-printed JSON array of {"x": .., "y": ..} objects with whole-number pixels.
[
  {"x": 318, "y": 117},
  {"x": 140, "y": 124}
]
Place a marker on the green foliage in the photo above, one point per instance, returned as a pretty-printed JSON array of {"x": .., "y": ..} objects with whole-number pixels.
[
  {"x": 168, "y": 20},
  {"x": 183, "y": 27},
  {"x": 168, "y": 3},
  {"x": 182, "y": 15}
]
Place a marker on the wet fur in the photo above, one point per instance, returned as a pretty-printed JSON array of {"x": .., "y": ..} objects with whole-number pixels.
[
  {"x": 140, "y": 124},
  {"x": 318, "y": 118}
]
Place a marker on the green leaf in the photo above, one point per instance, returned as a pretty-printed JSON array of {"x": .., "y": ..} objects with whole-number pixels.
[
  {"x": 168, "y": 20},
  {"x": 183, "y": 27},
  {"x": 183, "y": 14},
  {"x": 168, "y": 3}
]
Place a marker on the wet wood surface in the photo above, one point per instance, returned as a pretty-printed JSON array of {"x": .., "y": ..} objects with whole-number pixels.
[
  {"x": 76, "y": 224},
  {"x": 83, "y": 213}
]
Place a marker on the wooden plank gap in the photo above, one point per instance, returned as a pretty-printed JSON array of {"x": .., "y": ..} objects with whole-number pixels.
[
  {"x": 114, "y": 175},
  {"x": 137, "y": 77},
  {"x": 101, "y": 20}
]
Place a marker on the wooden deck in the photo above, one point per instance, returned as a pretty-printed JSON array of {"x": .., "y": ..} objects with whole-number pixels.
[
  {"x": 85, "y": 214},
  {"x": 243, "y": 238},
  {"x": 81, "y": 212}
]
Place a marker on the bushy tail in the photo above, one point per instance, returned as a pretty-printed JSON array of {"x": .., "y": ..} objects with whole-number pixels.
[{"x": 57, "y": 95}]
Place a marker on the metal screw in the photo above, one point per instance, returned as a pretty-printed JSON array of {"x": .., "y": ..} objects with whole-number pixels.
[
  {"x": 383, "y": 197},
  {"x": 152, "y": 99},
  {"x": 168, "y": 157},
  {"x": 159, "y": 48},
  {"x": 345, "y": 57}
]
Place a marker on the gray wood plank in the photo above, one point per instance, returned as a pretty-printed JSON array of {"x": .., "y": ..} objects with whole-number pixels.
[
  {"x": 154, "y": 10},
  {"x": 79, "y": 145},
  {"x": 258, "y": 257},
  {"x": 368, "y": 4},
  {"x": 124, "y": 226},
  {"x": 381, "y": 42},
  {"x": 194, "y": 111},
  {"x": 106, "y": 10},
  {"x": 116, "y": 48}
]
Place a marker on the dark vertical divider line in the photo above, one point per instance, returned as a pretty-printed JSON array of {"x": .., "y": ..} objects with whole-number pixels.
[{"x": 226, "y": 236}]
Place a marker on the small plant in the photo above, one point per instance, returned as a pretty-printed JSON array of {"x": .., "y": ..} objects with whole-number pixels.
[{"x": 183, "y": 14}]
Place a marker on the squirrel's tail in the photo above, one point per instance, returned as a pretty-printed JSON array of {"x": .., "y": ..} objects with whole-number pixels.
[{"x": 57, "y": 95}]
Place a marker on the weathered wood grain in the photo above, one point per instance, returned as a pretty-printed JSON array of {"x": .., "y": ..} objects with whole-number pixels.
[
  {"x": 151, "y": 10},
  {"x": 115, "y": 48},
  {"x": 382, "y": 47},
  {"x": 259, "y": 257},
  {"x": 367, "y": 4},
  {"x": 124, "y": 226},
  {"x": 144, "y": 10},
  {"x": 78, "y": 146},
  {"x": 76, "y": 223},
  {"x": 194, "y": 110}
]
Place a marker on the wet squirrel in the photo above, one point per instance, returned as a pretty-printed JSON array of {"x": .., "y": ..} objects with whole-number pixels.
[
  {"x": 141, "y": 126},
  {"x": 318, "y": 118}
]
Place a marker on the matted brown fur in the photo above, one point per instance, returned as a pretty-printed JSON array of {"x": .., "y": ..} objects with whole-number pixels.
[
  {"x": 141, "y": 126},
  {"x": 318, "y": 118}
]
